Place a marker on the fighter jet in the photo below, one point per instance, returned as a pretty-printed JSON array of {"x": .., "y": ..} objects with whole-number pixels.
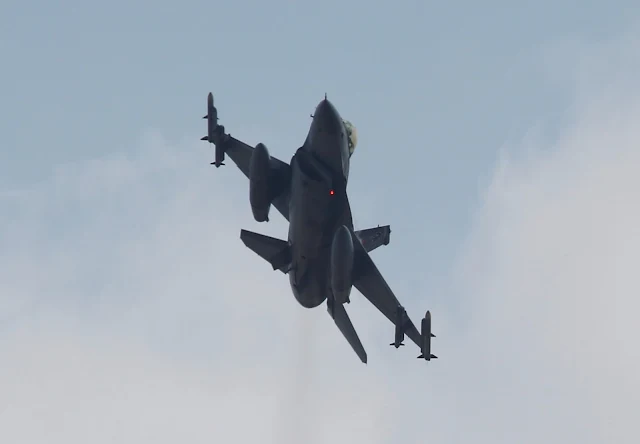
[{"x": 324, "y": 256}]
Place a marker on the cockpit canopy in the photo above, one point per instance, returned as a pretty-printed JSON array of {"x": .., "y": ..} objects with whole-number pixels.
[{"x": 352, "y": 136}]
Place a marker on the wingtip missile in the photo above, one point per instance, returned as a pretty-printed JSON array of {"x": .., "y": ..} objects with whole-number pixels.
[
  {"x": 210, "y": 108},
  {"x": 425, "y": 338},
  {"x": 215, "y": 132}
]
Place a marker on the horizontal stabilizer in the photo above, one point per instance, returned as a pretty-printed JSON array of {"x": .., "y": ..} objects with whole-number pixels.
[
  {"x": 275, "y": 251},
  {"x": 341, "y": 318},
  {"x": 372, "y": 238}
]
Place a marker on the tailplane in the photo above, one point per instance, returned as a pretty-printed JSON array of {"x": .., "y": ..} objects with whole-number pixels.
[
  {"x": 341, "y": 318},
  {"x": 372, "y": 238},
  {"x": 275, "y": 251}
]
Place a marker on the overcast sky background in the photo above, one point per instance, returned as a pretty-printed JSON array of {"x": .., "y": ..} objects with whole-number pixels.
[{"x": 500, "y": 142}]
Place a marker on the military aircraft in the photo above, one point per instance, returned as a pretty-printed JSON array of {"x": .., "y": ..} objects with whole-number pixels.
[{"x": 324, "y": 255}]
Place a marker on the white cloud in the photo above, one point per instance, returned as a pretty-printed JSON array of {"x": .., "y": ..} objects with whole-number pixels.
[
  {"x": 130, "y": 310},
  {"x": 550, "y": 275}
]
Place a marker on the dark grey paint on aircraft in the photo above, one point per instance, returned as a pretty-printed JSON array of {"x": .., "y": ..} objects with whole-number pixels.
[{"x": 323, "y": 255}]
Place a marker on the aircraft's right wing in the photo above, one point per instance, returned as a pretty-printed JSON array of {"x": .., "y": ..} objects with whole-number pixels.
[
  {"x": 368, "y": 280},
  {"x": 241, "y": 154}
]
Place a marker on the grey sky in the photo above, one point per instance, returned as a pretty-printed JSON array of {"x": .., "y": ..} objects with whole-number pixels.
[{"x": 121, "y": 316}]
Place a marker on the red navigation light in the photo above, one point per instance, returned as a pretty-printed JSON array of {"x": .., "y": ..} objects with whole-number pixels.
[{"x": 331, "y": 192}]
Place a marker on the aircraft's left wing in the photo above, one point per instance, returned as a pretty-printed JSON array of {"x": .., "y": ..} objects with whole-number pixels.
[
  {"x": 368, "y": 280},
  {"x": 241, "y": 154}
]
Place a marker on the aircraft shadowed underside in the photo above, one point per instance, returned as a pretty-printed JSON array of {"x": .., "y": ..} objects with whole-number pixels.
[{"x": 323, "y": 255}]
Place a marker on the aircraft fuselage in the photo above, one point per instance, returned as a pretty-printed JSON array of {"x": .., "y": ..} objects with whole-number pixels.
[{"x": 318, "y": 204}]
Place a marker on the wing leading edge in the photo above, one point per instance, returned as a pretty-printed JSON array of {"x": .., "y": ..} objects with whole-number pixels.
[{"x": 241, "y": 154}]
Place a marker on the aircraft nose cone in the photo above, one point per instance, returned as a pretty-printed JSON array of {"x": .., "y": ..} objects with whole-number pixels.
[{"x": 327, "y": 118}]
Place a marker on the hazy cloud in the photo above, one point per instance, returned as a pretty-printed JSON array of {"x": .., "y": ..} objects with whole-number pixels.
[{"x": 130, "y": 310}]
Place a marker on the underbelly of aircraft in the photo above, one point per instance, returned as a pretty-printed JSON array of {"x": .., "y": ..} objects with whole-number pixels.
[
  {"x": 310, "y": 252},
  {"x": 309, "y": 281},
  {"x": 314, "y": 214}
]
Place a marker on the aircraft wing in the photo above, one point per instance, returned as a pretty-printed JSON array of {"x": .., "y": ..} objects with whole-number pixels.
[
  {"x": 241, "y": 154},
  {"x": 368, "y": 280}
]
